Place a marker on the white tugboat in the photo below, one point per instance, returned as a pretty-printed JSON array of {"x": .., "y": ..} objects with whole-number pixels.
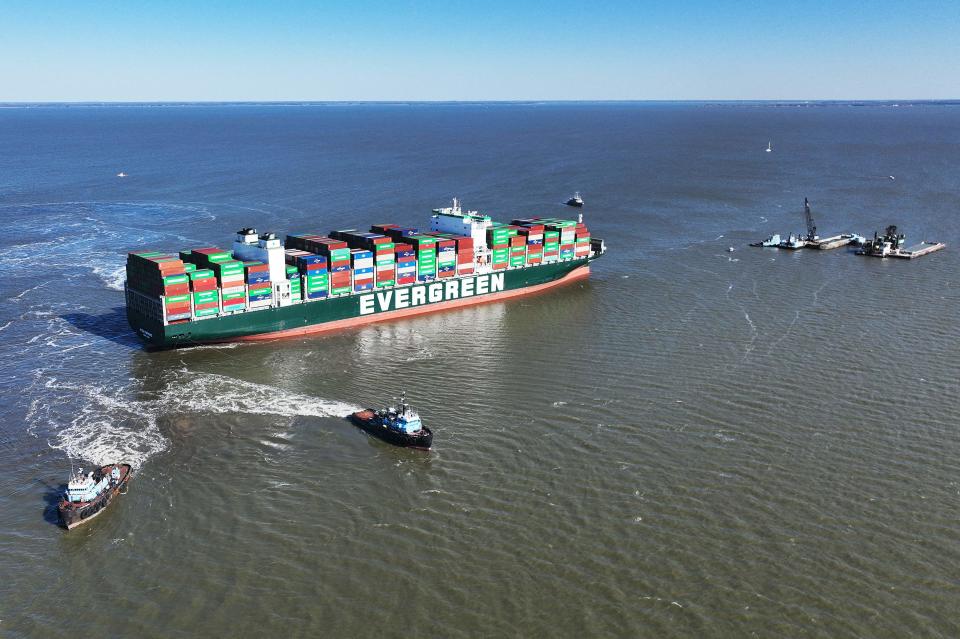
[{"x": 88, "y": 494}]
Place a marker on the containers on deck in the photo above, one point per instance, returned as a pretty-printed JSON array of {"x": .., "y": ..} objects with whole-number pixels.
[{"x": 205, "y": 282}]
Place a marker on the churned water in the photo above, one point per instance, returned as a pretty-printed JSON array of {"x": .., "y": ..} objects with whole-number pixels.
[{"x": 693, "y": 443}]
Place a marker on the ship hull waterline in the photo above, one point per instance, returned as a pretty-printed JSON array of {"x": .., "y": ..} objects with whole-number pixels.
[{"x": 335, "y": 314}]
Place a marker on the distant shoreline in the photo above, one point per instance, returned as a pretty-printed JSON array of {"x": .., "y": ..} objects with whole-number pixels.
[{"x": 415, "y": 103}]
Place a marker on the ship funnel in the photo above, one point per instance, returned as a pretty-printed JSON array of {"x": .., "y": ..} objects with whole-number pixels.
[{"x": 247, "y": 236}]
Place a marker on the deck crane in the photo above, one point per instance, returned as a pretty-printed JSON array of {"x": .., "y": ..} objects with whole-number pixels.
[{"x": 811, "y": 227}]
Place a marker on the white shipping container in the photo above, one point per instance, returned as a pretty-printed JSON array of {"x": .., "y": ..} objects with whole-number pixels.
[{"x": 233, "y": 289}]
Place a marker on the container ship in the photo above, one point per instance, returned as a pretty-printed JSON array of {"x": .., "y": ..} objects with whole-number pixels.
[{"x": 311, "y": 283}]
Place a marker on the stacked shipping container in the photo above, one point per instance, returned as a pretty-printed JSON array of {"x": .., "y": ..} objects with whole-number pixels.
[
  {"x": 161, "y": 276},
  {"x": 207, "y": 281},
  {"x": 361, "y": 260},
  {"x": 406, "y": 263}
]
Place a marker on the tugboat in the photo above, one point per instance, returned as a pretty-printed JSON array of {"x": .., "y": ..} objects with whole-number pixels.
[
  {"x": 87, "y": 495},
  {"x": 576, "y": 200},
  {"x": 400, "y": 426},
  {"x": 773, "y": 240}
]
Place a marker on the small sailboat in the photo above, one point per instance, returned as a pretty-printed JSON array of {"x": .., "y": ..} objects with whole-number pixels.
[
  {"x": 769, "y": 147},
  {"x": 121, "y": 174}
]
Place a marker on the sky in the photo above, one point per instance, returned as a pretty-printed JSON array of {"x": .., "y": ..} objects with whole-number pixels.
[{"x": 283, "y": 50}]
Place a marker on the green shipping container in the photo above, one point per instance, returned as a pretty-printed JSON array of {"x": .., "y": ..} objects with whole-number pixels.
[
  {"x": 385, "y": 283},
  {"x": 342, "y": 289},
  {"x": 189, "y": 267},
  {"x": 201, "y": 274},
  {"x": 239, "y": 295},
  {"x": 175, "y": 279},
  {"x": 217, "y": 258},
  {"x": 202, "y": 297},
  {"x": 203, "y": 312},
  {"x": 176, "y": 299}
]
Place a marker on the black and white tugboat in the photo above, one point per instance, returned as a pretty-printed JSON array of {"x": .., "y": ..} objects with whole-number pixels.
[
  {"x": 87, "y": 495},
  {"x": 400, "y": 426},
  {"x": 576, "y": 200}
]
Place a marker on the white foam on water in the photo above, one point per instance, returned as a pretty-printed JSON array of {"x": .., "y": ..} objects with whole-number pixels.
[
  {"x": 96, "y": 424},
  {"x": 112, "y": 274},
  {"x": 101, "y": 425},
  {"x": 219, "y": 394}
]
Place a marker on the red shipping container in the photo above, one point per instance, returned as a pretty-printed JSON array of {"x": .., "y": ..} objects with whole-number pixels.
[
  {"x": 205, "y": 305},
  {"x": 176, "y": 289},
  {"x": 500, "y": 265},
  {"x": 407, "y": 280},
  {"x": 205, "y": 284},
  {"x": 517, "y": 240}
]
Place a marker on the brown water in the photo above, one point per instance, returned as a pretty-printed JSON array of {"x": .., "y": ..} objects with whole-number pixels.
[{"x": 692, "y": 443}]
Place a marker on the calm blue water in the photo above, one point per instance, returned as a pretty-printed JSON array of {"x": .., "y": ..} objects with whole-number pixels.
[{"x": 693, "y": 443}]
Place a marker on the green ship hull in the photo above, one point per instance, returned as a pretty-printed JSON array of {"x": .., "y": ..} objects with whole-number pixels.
[{"x": 350, "y": 310}]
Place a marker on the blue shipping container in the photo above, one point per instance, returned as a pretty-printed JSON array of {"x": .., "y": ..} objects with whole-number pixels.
[{"x": 311, "y": 259}]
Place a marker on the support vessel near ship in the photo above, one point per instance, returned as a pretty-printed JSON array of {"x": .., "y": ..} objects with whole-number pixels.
[
  {"x": 88, "y": 495},
  {"x": 400, "y": 425},
  {"x": 312, "y": 283}
]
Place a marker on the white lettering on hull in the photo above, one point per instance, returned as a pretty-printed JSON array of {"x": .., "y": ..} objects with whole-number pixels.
[{"x": 420, "y": 294}]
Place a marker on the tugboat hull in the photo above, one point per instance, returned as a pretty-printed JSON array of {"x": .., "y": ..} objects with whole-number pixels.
[
  {"x": 75, "y": 514},
  {"x": 368, "y": 421}
]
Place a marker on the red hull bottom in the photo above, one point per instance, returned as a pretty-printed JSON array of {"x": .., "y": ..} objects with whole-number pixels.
[{"x": 577, "y": 274}]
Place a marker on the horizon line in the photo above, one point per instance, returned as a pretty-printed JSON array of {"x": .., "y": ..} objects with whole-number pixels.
[{"x": 788, "y": 101}]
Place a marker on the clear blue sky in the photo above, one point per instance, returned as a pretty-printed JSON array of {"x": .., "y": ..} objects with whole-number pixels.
[{"x": 499, "y": 50}]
